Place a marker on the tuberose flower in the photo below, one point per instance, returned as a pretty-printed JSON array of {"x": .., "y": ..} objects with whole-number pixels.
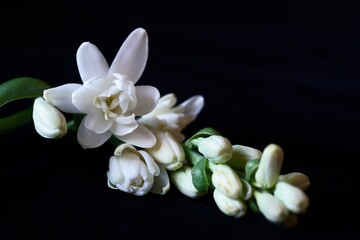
[
  {"x": 134, "y": 171},
  {"x": 168, "y": 117},
  {"x": 108, "y": 96}
]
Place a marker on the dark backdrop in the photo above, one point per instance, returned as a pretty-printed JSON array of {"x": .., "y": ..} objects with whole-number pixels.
[{"x": 284, "y": 72}]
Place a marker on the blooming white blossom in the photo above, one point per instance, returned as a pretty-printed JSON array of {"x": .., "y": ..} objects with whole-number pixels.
[
  {"x": 49, "y": 122},
  {"x": 168, "y": 117},
  {"x": 134, "y": 171},
  {"x": 108, "y": 96},
  {"x": 167, "y": 151}
]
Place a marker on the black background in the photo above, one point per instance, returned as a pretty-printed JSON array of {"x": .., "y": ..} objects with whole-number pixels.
[{"x": 283, "y": 72}]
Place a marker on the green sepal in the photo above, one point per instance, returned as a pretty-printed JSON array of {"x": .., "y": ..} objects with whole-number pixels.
[
  {"x": 21, "y": 88},
  {"x": 193, "y": 156},
  {"x": 203, "y": 133},
  {"x": 200, "y": 176},
  {"x": 250, "y": 169}
]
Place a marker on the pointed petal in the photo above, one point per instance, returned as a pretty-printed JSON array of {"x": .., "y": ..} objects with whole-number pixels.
[
  {"x": 90, "y": 61},
  {"x": 60, "y": 97},
  {"x": 132, "y": 55},
  {"x": 193, "y": 105},
  {"x": 147, "y": 99},
  {"x": 161, "y": 183},
  {"x": 97, "y": 123},
  {"x": 119, "y": 129},
  {"x": 151, "y": 164},
  {"x": 141, "y": 137},
  {"x": 89, "y": 139}
]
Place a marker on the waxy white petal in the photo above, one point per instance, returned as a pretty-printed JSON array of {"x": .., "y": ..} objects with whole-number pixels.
[
  {"x": 90, "y": 139},
  {"x": 90, "y": 61},
  {"x": 119, "y": 129},
  {"x": 132, "y": 55},
  {"x": 83, "y": 97},
  {"x": 193, "y": 105},
  {"x": 96, "y": 123},
  {"x": 61, "y": 98},
  {"x": 141, "y": 137},
  {"x": 161, "y": 182},
  {"x": 154, "y": 169},
  {"x": 147, "y": 98}
]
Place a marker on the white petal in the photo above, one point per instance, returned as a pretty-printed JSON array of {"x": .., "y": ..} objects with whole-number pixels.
[
  {"x": 147, "y": 99},
  {"x": 83, "y": 97},
  {"x": 123, "y": 129},
  {"x": 60, "y": 97},
  {"x": 97, "y": 123},
  {"x": 193, "y": 105},
  {"x": 141, "y": 137},
  {"x": 89, "y": 139},
  {"x": 161, "y": 182},
  {"x": 132, "y": 55},
  {"x": 152, "y": 166},
  {"x": 90, "y": 61}
]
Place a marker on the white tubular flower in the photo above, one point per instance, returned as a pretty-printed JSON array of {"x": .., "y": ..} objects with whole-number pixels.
[
  {"x": 133, "y": 171},
  {"x": 167, "y": 152},
  {"x": 271, "y": 207},
  {"x": 168, "y": 117},
  {"x": 269, "y": 167},
  {"x": 108, "y": 96},
  {"x": 241, "y": 155},
  {"x": 49, "y": 122},
  {"x": 232, "y": 207},
  {"x": 182, "y": 179},
  {"x": 293, "y": 197},
  {"x": 225, "y": 179},
  {"x": 297, "y": 179},
  {"x": 216, "y": 148}
]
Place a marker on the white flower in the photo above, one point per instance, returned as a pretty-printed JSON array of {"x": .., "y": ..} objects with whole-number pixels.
[
  {"x": 225, "y": 179},
  {"x": 49, "y": 122},
  {"x": 168, "y": 117},
  {"x": 269, "y": 168},
  {"x": 241, "y": 155},
  {"x": 297, "y": 179},
  {"x": 293, "y": 197},
  {"x": 216, "y": 148},
  {"x": 271, "y": 207},
  {"x": 232, "y": 207},
  {"x": 133, "y": 171},
  {"x": 108, "y": 96},
  {"x": 167, "y": 152},
  {"x": 182, "y": 179}
]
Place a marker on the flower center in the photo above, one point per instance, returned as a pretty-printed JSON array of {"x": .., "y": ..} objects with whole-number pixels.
[{"x": 118, "y": 99}]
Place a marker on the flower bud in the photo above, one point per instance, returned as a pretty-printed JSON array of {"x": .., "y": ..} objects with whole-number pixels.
[
  {"x": 297, "y": 179},
  {"x": 230, "y": 206},
  {"x": 269, "y": 167},
  {"x": 241, "y": 155},
  {"x": 182, "y": 179},
  {"x": 49, "y": 122},
  {"x": 215, "y": 148},
  {"x": 293, "y": 197},
  {"x": 167, "y": 151},
  {"x": 225, "y": 179},
  {"x": 271, "y": 207}
]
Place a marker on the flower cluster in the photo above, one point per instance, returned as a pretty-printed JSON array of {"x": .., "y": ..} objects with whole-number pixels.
[{"x": 151, "y": 151}]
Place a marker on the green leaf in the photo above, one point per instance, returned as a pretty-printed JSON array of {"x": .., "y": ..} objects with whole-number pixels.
[
  {"x": 15, "y": 121},
  {"x": 250, "y": 169},
  {"x": 193, "y": 156},
  {"x": 200, "y": 176},
  {"x": 16, "y": 89},
  {"x": 20, "y": 88}
]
